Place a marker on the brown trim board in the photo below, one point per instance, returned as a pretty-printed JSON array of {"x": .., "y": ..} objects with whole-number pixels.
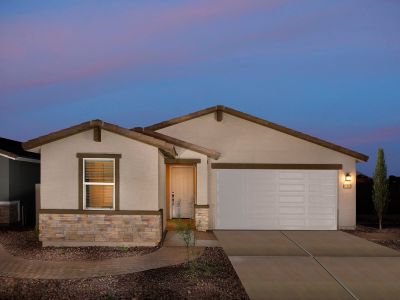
[
  {"x": 57, "y": 135},
  {"x": 180, "y": 143},
  {"x": 80, "y": 157},
  {"x": 277, "y": 166},
  {"x": 98, "y": 155},
  {"x": 181, "y": 119},
  {"x": 233, "y": 112},
  {"x": 182, "y": 161},
  {"x": 100, "y": 212},
  {"x": 97, "y": 134},
  {"x": 219, "y": 115}
]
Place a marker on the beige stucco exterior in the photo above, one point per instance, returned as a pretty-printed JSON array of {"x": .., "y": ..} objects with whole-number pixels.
[
  {"x": 143, "y": 179},
  {"x": 139, "y": 171},
  {"x": 242, "y": 141}
]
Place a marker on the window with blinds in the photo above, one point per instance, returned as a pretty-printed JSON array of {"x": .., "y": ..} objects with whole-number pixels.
[{"x": 98, "y": 183}]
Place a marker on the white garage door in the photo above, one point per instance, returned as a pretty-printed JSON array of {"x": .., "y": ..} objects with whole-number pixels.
[{"x": 276, "y": 199}]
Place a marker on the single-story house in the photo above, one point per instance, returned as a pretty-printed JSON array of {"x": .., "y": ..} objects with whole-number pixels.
[
  {"x": 19, "y": 172},
  {"x": 102, "y": 184}
]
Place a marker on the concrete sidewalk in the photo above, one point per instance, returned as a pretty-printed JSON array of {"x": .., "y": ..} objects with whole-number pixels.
[{"x": 312, "y": 265}]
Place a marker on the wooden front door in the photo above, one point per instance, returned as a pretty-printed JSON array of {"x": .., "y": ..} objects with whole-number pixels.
[{"x": 182, "y": 191}]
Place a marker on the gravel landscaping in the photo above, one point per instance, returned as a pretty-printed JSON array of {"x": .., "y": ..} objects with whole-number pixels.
[
  {"x": 389, "y": 237},
  {"x": 24, "y": 243},
  {"x": 211, "y": 277}
]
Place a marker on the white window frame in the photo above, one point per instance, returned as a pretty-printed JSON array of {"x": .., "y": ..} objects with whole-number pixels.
[{"x": 84, "y": 184}]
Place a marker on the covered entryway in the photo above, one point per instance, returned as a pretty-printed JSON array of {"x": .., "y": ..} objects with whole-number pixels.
[{"x": 274, "y": 199}]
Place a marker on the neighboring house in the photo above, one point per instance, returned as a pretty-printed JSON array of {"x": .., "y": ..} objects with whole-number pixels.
[
  {"x": 19, "y": 172},
  {"x": 106, "y": 185}
]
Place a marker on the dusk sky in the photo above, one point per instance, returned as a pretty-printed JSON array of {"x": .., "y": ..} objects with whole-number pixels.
[{"x": 327, "y": 68}]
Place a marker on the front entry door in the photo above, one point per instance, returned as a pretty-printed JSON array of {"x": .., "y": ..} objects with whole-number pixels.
[{"x": 182, "y": 191}]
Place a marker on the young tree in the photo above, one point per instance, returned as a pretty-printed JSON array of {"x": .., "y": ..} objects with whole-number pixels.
[{"x": 380, "y": 195}]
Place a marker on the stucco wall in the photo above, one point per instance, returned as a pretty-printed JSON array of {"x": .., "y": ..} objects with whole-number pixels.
[
  {"x": 242, "y": 141},
  {"x": 4, "y": 179},
  {"x": 138, "y": 170}
]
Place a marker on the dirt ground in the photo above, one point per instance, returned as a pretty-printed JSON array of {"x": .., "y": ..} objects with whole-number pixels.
[
  {"x": 211, "y": 277},
  {"x": 389, "y": 237}
]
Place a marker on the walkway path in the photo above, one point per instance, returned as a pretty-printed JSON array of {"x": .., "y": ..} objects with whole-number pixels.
[{"x": 12, "y": 266}]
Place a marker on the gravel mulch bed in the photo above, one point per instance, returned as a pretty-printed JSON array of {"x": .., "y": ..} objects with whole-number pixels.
[
  {"x": 25, "y": 244},
  {"x": 212, "y": 277},
  {"x": 388, "y": 237}
]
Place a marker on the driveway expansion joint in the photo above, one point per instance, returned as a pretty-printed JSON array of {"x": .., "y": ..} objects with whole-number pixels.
[{"x": 330, "y": 273}]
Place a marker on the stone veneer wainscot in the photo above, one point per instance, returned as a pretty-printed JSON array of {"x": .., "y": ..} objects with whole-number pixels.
[
  {"x": 201, "y": 217},
  {"x": 99, "y": 229}
]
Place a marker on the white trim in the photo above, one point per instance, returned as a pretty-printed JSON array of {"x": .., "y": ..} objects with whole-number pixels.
[
  {"x": 20, "y": 158},
  {"x": 7, "y": 156},
  {"x": 84, "y": 184}
]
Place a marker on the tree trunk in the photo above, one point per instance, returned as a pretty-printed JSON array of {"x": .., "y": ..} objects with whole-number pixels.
[{"x": 380, "y": 223}]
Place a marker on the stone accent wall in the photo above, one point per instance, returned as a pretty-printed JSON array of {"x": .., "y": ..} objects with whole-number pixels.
[
  {"x": 99, "y": 230},
  {"x": 201, "y": 217},
  {"x": 8, "y": 212}
]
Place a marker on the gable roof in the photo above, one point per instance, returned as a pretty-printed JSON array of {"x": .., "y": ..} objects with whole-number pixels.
[
  {"x": 262, "y": 122},
  {"x": 57, "y": 135},
  {"x": 209, "y": 152}
]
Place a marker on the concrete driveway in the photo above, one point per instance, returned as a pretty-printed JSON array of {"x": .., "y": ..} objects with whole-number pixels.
[{"x": 311, "y": 265}]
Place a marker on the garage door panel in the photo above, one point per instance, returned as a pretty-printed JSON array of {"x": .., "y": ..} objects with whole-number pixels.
[
  {"x": 295, "y": 199},
  {"x": 321, "y": 210},
  {"x": 291, "y": 222},
  {"x": 292, "y": 210},
  {"x": 321, "y": 223},
  {"x": 276, "y": 199},
  {"x": 291, "y": 175},
  {"x": 321, "y": 199},
  {"x": 292, "y": 187},
  {"x": 319, "y": 188}
]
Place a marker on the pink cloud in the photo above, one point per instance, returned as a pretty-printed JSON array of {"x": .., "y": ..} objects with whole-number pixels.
[
  {"x": 375, "y": 136},
  {"x": 43, "y": 50}
]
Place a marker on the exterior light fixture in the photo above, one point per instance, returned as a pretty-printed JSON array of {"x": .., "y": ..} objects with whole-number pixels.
[{"x": 347, "y": 181}]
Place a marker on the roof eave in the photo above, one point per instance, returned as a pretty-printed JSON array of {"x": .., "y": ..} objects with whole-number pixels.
[
  {"x": 60, "y": 134},
  {"x": 358, "y": 156},
  {"x": 180, "y": 143}
]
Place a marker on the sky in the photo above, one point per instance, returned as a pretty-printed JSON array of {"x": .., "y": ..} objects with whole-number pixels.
[{"x": 327, "y": 68}]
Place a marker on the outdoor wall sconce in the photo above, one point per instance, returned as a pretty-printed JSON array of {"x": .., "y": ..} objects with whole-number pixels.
[{"x": 347, "y": 181}]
